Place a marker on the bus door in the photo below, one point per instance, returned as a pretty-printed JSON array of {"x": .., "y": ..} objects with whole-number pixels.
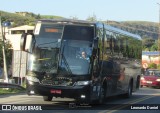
[{"x": 96, "y": 78}]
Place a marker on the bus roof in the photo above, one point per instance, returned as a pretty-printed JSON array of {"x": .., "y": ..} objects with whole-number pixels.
[
  {"x": 67, "y": 21},
  {"x": 108, "y": 27},
  {"x": 116, "y": 30}
]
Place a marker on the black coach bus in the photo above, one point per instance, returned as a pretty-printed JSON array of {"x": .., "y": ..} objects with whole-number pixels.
[{"x": 86, "y": 61}]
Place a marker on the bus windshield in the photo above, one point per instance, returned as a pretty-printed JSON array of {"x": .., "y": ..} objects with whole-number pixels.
[
  {"x": 45, "y": 55},
  {"x": 76, "y": 49},
  {"x": 63, "y": 49},
  {"x": 75, "y": 57}
]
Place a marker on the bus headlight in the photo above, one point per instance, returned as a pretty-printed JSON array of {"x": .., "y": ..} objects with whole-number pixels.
[
  {"x": 33, "y": 79},
  {"x": 79, "y": 83},
  {"x": 32, "y": 58}
]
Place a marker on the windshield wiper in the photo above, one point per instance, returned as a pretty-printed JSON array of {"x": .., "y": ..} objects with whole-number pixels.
[{"x": 65, "y": 61}]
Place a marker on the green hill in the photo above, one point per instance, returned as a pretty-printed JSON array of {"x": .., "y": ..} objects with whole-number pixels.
[
  {"x": 29, "y": 18},
  {"x": 147, "y": 30},
  {"x": 16, "y": 19},
  {"x": 142, "y": 28}
]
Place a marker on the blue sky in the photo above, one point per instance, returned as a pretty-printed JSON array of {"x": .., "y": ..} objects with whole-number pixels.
[{"x": 117, "y": 10}]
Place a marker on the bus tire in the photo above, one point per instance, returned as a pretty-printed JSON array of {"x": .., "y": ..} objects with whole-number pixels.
[
  {"x": 101, "y": 99},
  {"x": 47, "y": 98},
  {"x": 138, "y": 82},
  {"x": 129, "y": 91}
]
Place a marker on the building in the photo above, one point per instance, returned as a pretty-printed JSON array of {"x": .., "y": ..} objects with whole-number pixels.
[
  {"x": 19, "y": 58},
  {"x": 14, "y": 35}
]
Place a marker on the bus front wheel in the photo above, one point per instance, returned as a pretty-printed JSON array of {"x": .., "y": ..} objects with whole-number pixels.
[{"x": 101, "y": 99}]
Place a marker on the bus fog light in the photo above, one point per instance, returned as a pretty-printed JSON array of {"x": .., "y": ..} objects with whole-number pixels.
[
  {"x": 83, "y": 96},
  {"x": 32, "y": 92},
  {"x": 79, "y": 83}
]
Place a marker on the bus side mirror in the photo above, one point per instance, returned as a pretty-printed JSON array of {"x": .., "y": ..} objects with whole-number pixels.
[{"x": 27, "y": 42}]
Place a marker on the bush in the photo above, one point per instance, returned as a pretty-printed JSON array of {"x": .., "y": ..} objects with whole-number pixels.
[
  {"x": 8, "y": 50},
  {"x": 10, "y": 90},
  {"x": 152, "y": 66},
  {"x": 158, "y": 66}
]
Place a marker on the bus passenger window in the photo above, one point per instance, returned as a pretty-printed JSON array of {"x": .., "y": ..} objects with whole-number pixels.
[
  {"x": 122, "y": 74},
  {"x": 110, "y": 44},
  {"x": 121, "y": 46},
  {"x": 116, "y": 48}
]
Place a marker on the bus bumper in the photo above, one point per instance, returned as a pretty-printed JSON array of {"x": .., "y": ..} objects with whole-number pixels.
[{"x": 76, "y": 92}]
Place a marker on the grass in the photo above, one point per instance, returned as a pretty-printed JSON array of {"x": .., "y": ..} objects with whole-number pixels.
[
  {"x": 10, "y": 91},
  {"x": 13, "y": 90}
]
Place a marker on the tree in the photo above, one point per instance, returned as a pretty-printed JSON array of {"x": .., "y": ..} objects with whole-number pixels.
[
  {"x": 74, "y": 17},
  {"x": 148, "y": 42},
  {"x": 154, "y": 47},
  {"x": 152, "y": 66},
  {"x": 8, "y": 53},
  {"x": 38, "y": 16},
  {"x": 158, "y": 66},
  {"x": 92, "y": 18}
]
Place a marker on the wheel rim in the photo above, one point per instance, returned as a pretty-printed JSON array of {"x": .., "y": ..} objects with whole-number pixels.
[{"x": 130, "y": 90}]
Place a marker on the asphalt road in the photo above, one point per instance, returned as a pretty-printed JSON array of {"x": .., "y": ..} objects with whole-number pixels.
[{"x": 144, "y": 99}]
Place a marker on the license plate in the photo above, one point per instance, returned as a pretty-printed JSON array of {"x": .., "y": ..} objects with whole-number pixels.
[
  {"x": 149, "y": 82},
  {"x": 55, "y": 91}
]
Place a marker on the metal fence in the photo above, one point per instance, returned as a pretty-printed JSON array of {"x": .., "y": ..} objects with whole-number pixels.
[{"x": 19, "y": 63}]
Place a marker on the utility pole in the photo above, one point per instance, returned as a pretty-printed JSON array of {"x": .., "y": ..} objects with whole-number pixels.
[
  {"x": 159, "y": 34},
  {"x": 4, "y": 53},
  {"x": 159, "y": 29}
]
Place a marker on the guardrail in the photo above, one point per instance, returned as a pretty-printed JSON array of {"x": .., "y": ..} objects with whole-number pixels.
[{"x": 9, "y": 85}]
